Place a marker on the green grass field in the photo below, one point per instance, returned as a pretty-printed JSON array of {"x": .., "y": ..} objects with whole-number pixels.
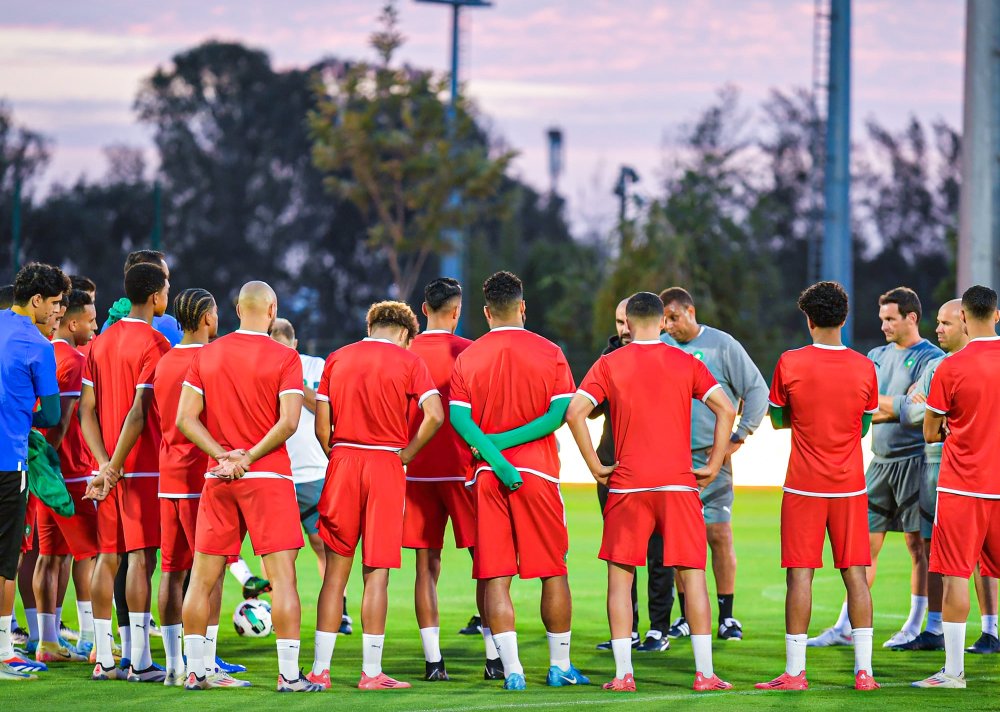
[{"x": 662, "y": 678}]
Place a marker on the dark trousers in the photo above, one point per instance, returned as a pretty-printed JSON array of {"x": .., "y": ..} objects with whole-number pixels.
[
  {"x": 660, "y": 581},
  {"x": 13, "y": 502}
]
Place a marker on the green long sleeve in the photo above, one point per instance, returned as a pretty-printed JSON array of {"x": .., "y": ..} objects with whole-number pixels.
[
  {"x": 866, "y": 423},
  {"x": 780, "y": 417},
  {"x": 461, "y": 421},
  {"x": 538, "y": 428}
]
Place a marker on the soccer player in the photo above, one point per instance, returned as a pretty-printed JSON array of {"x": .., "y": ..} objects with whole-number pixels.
[
  {"x": 649, "y": 387},
  {"x": 435, "y": 481},
  {"x": 241, "y": 401},
  {"x": 895, "y": 473},
  {"x": 27, "y": 378},
  {"x": 509, "y": 393},
  {"x": 59, "y": 536},
  {"x": 827, "y": 394},
  {"x": 742, "y": 382},
  {"x": 965, "y": 390},
  {"x": 164, "y": 323},
  {"x": 364, "y": 398},
  {"x": 122, "y": 430}
]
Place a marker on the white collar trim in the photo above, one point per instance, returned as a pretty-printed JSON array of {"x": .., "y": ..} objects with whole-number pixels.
[
  {"x": 436, "y": 331},
  {"x": 647, "y": 343},
  {"x": 61, "y": 341},
  {"x": 133, "y": 320},
  {"x": 508, "y": 328},
  {"x": 188, "y": 346},
  {"x": 985, "y": 338},
  {"x": 247, "y": 332},
  {"x": 827, "y": 347},
  {"x": 384, "y": 341}
]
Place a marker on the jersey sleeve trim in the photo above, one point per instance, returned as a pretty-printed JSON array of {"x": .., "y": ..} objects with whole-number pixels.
[
  {"x": 69, "y": 394},
  {"x": 428, "y": 394},
  {"x": 873, "y": 411},
  {"x": 87, "y": 383},
  {"x": 193, "y": 388},
  {"x": 586, "y": 395},
  {"x": 463, "y": 404},
  {"x": 140, "y": 386},
  {"x": 290, "y": 390},
  {"x": 936, "y": 410},
  {"x": 560, "y": 395},
  {"x": 708, "y": 393},
  {"x": 321, "y": 397}
]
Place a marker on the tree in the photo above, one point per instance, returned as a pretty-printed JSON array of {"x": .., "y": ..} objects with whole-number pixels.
[{"x": 23, "y": 156}]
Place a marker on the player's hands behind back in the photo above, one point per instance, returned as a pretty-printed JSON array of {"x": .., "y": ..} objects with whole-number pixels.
[{"x": 232, "y": 465}]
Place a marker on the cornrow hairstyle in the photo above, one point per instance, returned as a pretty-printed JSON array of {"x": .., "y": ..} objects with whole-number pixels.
[
  {"x": 190, "y": 306},
  {"x": 393, "y": 314}
]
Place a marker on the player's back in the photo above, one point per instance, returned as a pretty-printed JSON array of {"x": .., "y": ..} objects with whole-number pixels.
[
  {"x": 182, "y": 463},
  {"x": 75, "y": 459}
]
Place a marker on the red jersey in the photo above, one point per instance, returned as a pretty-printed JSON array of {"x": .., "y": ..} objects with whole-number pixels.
[
  {"x": 370, "y": 386},
  {"x": 121, "y": 361},
  {"x": 509, "y": 377},
  {"x": 446, "y": 456},
  {"x": 75, "y": 459},
  {"x": 241, "y": 377},
  {"x": 649, "y": 386},
  {"x": 828, "y": 389},
  {"x": 967, "y": 383},
  {"x": 182, "y": 463}
]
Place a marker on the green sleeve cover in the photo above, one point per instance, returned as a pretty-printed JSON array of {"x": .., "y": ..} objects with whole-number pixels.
[
  {"x": 780, "y": 417},
  {"x": 48, "y": 415},
  {"x": 537, "y": 428},
  {"x": 461, "y": 421},
  {"x": 866, "y": 423}
]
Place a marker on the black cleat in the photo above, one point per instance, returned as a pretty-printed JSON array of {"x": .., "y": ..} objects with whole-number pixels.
[
  {"x": 924, "y": 641},
  {"x": 255, "y": 586},
  {"x": 654, "y": 644},
  {"x": 636, "y": 642},
  {"x": 493, "y": 669},
  {"x": 473, "y": 627},
  {"x": 435, "y": 672},
  {"x": 986, "y": 645}
]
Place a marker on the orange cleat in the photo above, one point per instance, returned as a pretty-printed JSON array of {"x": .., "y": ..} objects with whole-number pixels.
[
  {"x": 322, "y": 679},
  {"x": 864, "y": 681},
  {"x": 381, "y": 682},
  {"x": 784, "y": 681},
  {"x": 708, "y": 684},
  {"x": 621, "y": 684}
]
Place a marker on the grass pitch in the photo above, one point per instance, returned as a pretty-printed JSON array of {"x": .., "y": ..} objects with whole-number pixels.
[{"x": 662, "y": 678}]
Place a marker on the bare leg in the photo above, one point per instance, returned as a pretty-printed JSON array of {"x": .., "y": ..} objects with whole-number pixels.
[
  {"x": 205, "y": 573},
  {"x": 138, "y": 591},
  {"x": 620, "y": 579},
  {"x": 286, "y": 609},
  {"x": 875, "y": 542},
  {"x": 102, "y": 586},
  {"x": 720, "y": 540},
  {"x": 918, "y": 557},
  {"x": 557, "y": 604},
  {"x": 986, "y": 592},
  {"x": 330, "y": 607},
  {"x": 859, "y": 597},
  {"x": 375, "y": 601},
  {"x": 499, "y": 607},
  {"x": 316, "y": 544},
  {"x": 428, "y": 565},
  {"x": 171, "y": 597},
  {"x": 45, "y": 583}
]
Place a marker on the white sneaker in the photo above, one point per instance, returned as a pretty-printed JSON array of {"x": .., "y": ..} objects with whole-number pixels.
[
  {"x": 224, "y": 679},
  {"x": 943, "y": 679},
  {"x": 901, "y": 637},
  {"x": 830, "y": 637},
  {"x": 175, "y": 678}
]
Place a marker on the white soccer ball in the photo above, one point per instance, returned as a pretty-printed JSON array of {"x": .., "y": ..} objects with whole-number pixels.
[{"x": 252, "y": 618}]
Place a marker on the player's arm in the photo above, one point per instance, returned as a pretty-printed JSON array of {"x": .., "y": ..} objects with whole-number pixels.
[
  {"x": 579, "y": 409},
  {"x": 934, "y": 424},
  {"x": 308, "y": 398},
  {"x": 289, "y": 411},
  {"x": 48, "y": 413},
  {"x": 189, "y": 409},
  {"x": 135, "y": 421},
  {"x": 433, "y": 419},
  {"x": 91, "y": 427},
  {"x": 461, "y": 420},
  {"x": 55, "y": 435},
  {"x": 538, "y": 428},
  {"x": 725, "y": 415},
  {"x": 323, "y": 426}
]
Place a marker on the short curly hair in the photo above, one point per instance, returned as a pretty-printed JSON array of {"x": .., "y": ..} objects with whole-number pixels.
[
  {"x": 825, "y": 303},
  {"x": 37, "y": 278},
  {"x": 143, "y": 281},
  {"x": 393, "y": 314},
  {"x": 503, "y": 291},
  {"x": 979, "y": 302}
]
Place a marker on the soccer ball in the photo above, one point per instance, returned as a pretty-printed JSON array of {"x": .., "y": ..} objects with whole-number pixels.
[{"x": 252, "y": 618}]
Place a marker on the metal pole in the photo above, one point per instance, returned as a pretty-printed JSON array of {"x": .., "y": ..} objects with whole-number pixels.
[
  {"x": 15, "y": 227},
  {"x": 453, "y": 260},
  {"x": 157, "y": 236},
  {"x": 837, "y": 248}
]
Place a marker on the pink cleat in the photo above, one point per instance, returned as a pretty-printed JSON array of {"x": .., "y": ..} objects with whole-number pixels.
[
  {"x": 864, "y": 681},
  {"x": 322, "y": 679},
  {"x": 708, "y": 684},
  {"x": 784, "y": 681},
  {"x": 621, "y": 684},
  {"x": 381, "y": 682}
]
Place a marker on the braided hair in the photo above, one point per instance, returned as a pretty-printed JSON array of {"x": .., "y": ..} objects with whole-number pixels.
[{"x": 190, "y": 306}]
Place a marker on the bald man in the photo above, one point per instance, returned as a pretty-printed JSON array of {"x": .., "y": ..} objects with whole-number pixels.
[{"x": 241, "y": 401}]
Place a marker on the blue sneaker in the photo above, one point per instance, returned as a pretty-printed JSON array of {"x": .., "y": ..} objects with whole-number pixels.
[
  {"x": 229, "y": 668},
  {"x": 24, "y": 665},
  {"x": 514, "y": 681},
  {"x": 559, "y": 678},
  {"x": 31, "y": 647},
  {"x": 84, "y": 647},
  {"x": 124, "y": 664}
]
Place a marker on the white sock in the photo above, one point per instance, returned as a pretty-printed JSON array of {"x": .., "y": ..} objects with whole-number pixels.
[
  {"x": 59, "y": 621},
  {"x": 288, "y": 658},
  {"x": 863, "y": 650},
  {"x": 371, "y": 654},
  {"x": 933, "y": 622},
  {"x": 990, "y": 625},
  {"x": 702, "y": 647},
  {"x": 622, "y": 649},
  {"x": 843, "y": 624},
  {"x": 125, "y": 638},
  {"x": 491, "y": 648},
  {"x": 559, "y": 649},
  {"x": 85, "y": 616},
  {"x": 194, "y": 648},
  {"x": 507, "y": 647},
  {"x": 241, "y": 571},
  {"x": 323, "y": 651},
  {"x": 32, "y": 620},
  {"x": 49, "y": 627},
  {"x": 431, "y": 639},
  {"x": 954, "y": 648},
  {"x": 6, "y": 647},
  {"x": 139, "y": 656},
  {"x": 211, "y": 645},
  {"x": 795, "y": 653},
  {"x": 104, "y": 642},
  {"x": 173, "y": 641},
  {"x": 918, "y": 606}
]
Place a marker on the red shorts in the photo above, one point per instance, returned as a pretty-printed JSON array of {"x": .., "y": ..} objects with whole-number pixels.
[
  {"x": 363, "y": 498},
  {"x": 264, "y": 507},
  {"x": 805, "y": 522},
  {"x": 521, "y": 532},
  {"x": 630, "y": 519},
  {"x": 76, "y": 535},
  {"x": 178, "y": 519},
  {"x": 30, "y": 520},
  {"x": 129, "y": 518},
  {"x": 966, "y": 530},
  {"x": 429, "y": 504}
]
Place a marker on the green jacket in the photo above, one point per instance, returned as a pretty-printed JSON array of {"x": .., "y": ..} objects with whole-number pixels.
[{"x": 45, "y": 479}]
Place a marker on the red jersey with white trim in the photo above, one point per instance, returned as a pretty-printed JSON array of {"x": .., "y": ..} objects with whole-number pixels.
[
  {"x": 370, "y": 386},
  {"x": 123, "y": 360},
  {"x": 966, "y": 388},
  {"x": 75, "y": 460},
  {"x": 446, "y": 455},
  {"x": 241, "y": 377},
  {"x": 649, "y": 386},
  {"x": 182, "y": 463},
  {"x": 509, "y": 377},
  {"x": 828, "y": 390}
]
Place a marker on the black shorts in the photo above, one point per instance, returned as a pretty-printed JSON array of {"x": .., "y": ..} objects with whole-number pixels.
[{"x": 13, "y": 501}]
